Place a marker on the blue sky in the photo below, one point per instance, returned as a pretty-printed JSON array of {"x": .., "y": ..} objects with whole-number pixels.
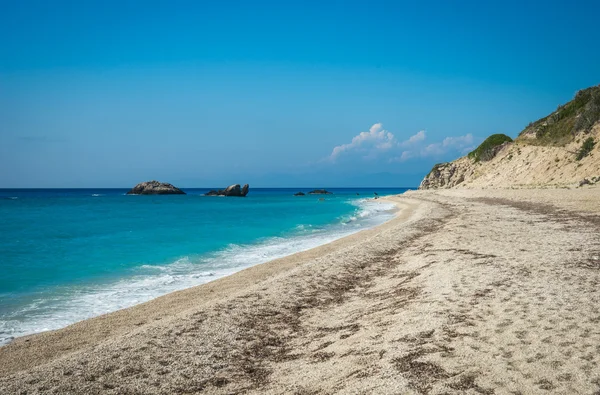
[{"x": 198, "y": 93}]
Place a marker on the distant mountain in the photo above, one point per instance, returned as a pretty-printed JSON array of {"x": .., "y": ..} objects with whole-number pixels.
[{"x": 561, "y": 149}]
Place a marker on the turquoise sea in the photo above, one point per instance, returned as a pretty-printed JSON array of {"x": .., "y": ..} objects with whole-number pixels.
[{"x": 71, "y": 254}]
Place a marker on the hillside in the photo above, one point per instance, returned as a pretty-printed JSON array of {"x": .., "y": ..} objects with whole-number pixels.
[{"x": 559, "y": 150}]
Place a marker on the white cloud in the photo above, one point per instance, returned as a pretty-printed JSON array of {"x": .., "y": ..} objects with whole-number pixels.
[
  {"x": 376, "y": 138},
  {"x": 459, "y": 141},
  {"x": 458, "y": 144},
  {"x": 420, "y": 136},
  {"x": 406, "y": 155},
  {"x": 433, "y": 150},
  {"x": 379, "y": 143}
]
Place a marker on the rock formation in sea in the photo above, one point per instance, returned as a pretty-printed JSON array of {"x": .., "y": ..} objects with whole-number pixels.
[
  {"x": 299, "y": 194},
  {"x": 155, "y": 188},
  {"x": 232, "y": 190},
  {"x": 559, "y": 150},
  {"x": 319, "y": 192}
]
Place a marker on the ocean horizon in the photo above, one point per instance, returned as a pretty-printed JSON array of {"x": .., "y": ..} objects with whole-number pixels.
[{"x": 76, "y": 253}]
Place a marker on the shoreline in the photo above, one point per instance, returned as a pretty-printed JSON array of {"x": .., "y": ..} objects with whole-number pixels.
[
  {"x": 124, "y": 319},
  {"x": 465, "y": 291},
  {"x": 60, "y": 308}
]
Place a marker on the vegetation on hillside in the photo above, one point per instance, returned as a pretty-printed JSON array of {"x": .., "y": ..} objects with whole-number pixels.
[
  {"x": 586, "y": 148},
  {"x": 487, "y": 150},
  {"x": 559, "y": 128}
]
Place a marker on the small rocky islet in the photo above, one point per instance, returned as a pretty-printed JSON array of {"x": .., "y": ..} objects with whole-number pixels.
[
  {"x": 163, "y": 188},
  {"x": 232, "y": 190},
  {"x": 320, "y": 192},
  {"x": 155, "y": 188}
]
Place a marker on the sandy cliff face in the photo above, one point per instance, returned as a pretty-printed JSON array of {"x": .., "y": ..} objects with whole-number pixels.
[
  {"x": 522, "y": 164},
  {"x": 561, "y": 149}
]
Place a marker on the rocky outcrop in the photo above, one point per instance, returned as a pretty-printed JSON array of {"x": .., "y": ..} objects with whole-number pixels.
[
  {"x": 319, "y": 192},
  {"x": 448, "y": 175},
  {"x": 232, "y": 190},
  {"x": 155, "y": 188},
  {"x": 590, "y": 181},
  {"x": 299, "y": 194}
]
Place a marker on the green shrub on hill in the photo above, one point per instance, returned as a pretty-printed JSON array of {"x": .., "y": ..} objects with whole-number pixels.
[
  {"x": 590, "y": 114},
  {"x": 586, "y": 148},
  {"x": 559, "y": 128},
  {"x": 486, "y": 150}
]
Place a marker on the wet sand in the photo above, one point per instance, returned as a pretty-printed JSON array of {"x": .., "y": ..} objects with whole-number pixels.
[{"x": 466, "y": 291}]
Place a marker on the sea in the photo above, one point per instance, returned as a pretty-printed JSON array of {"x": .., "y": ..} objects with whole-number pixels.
[{"x": 72, "y": 254}]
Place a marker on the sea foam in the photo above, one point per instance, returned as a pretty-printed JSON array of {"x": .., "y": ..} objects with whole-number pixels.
[{"x": 71, "y": 304}]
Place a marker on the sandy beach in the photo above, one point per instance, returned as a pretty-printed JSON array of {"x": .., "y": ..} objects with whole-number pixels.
[{"x": 464, "y": 292}]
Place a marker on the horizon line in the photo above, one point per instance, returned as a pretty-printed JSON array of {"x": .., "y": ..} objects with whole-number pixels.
[{"x": 305, "y": 187}]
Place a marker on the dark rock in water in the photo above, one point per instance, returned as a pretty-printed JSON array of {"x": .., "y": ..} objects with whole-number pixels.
[
  {"x": 299, "y": 194},
  {"x": 319, "y": 192},
  {"x": 375, "y": 193},
  {"x": 232, "y": 190},
  {"x": 155, "y": 188},
  {"x": 357, "y": 193}
]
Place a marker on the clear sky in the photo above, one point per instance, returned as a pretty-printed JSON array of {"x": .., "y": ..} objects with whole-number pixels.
[{"x": 276, "y": 93}]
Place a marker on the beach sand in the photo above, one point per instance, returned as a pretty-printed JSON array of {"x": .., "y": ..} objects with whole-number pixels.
[{"x": 464, "y": 292}]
